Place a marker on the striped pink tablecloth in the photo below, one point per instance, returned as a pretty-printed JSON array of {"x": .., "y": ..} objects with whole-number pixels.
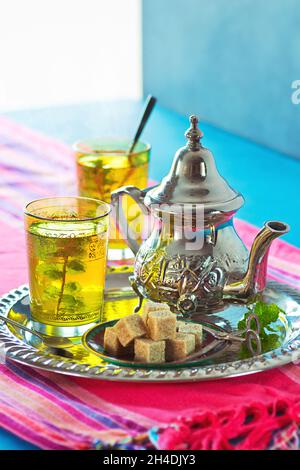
[{"x": 59, "y": 412}]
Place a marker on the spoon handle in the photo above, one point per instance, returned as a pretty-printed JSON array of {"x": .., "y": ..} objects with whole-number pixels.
[
  {"x": 149, "y": 105},
  {"x": 19, "y": 325}
]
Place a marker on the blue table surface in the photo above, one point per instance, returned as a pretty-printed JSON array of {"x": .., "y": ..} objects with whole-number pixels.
[{"x": 269, "y": 180}]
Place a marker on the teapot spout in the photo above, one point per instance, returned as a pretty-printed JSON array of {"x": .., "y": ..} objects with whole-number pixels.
[{"x": 254, "y": 280}]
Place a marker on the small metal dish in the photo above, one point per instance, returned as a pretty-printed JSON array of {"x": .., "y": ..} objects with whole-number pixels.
[{"x": 93, "y": 341}]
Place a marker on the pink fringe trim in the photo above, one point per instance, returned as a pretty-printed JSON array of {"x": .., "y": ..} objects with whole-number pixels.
[{"x": 253, "y": 427}]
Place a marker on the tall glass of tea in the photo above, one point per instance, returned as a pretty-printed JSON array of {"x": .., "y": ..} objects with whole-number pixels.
[
  {"x": 66, "y": 245},
  {"x": 103, "y": 166}
]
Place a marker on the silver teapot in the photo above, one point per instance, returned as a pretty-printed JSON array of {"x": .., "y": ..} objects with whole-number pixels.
[{"x": 193, "y": 259}]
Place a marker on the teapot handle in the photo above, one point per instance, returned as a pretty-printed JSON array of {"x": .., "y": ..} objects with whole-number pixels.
[{"x": 122, "y": 225}]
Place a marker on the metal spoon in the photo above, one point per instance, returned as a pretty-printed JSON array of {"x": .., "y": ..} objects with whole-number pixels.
[
  {"x": 148, "y": 107},
  {"x": 56, "y": 345}
]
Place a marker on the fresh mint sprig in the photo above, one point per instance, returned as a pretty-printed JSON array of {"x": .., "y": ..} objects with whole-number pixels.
[{"x": 268, "y": 315}]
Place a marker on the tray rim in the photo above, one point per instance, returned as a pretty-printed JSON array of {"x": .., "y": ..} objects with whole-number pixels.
[{"x": 17, "y": 351}]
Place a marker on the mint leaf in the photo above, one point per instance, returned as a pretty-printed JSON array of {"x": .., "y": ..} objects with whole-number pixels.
[
  {"x": 68, "y": 301},
  {"x": 267, "y": 313},
  {"x": 270, "y": 342},
  {"x": 49, "y": 271},
  {"x": 76, "y": 265},
  {"x": 72, "y": 287},
  {"x": 51, "y": 292}
]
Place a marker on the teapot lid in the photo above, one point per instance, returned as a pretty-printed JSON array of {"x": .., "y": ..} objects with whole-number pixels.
[{"x": 194, "y": 179}]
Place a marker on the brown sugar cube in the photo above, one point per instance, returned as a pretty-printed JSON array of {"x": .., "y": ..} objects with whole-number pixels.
[
  {"x": 192, "y": 328},
  {"x": 129, "y": 328},
  {"x": 147, "y": 350},
  {"x": 113, "y": 346},
  {"x": 180, "y": 347},
  {"x": 150, "y": 306},
  {"x": 111, "y": 342},
  {"x": 161, "y": 325},
  {"x": 153, "y": 307}
]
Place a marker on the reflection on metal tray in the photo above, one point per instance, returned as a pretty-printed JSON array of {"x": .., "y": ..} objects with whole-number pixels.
[{"x": 76, "y": 360}]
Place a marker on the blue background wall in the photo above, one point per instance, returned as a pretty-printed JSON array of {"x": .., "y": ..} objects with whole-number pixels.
[{"x": 230, "y": 61}]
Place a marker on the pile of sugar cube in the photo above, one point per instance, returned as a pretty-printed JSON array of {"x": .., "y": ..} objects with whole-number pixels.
[{"x": 153, "y": 337}]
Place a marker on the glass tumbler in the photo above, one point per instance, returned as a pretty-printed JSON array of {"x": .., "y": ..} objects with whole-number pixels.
[
  {"x": 103, "y": 166},
  {"x": 66, "y": 245}
]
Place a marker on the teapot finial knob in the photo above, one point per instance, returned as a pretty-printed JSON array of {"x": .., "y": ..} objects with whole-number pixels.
[{"x": 194, "y": 134}]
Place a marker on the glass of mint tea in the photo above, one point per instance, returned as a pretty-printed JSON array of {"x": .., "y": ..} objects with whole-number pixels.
[
  {"x": 66, "y": 245},
  {"x": 104, "y": 165}
]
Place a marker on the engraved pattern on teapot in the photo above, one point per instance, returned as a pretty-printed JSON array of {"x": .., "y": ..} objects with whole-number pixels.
[{"x": 177, "y": 279}]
